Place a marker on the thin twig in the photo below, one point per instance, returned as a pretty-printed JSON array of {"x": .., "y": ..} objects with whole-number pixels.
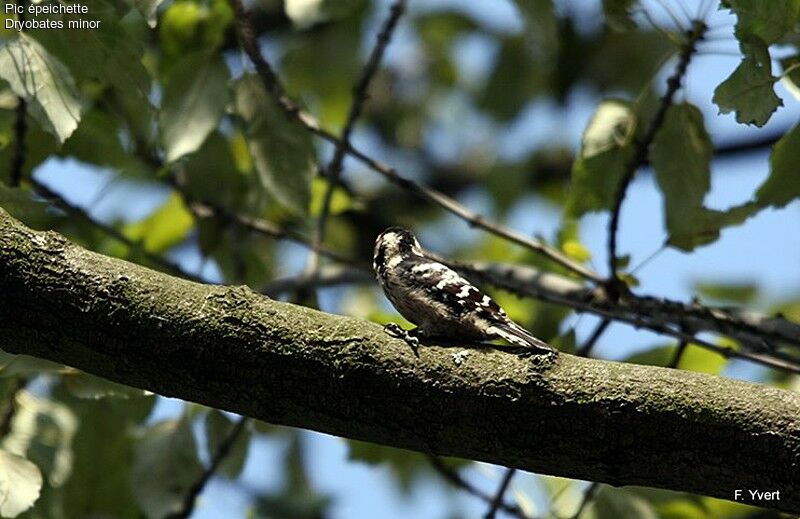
[
  {"x": 222, "y": 452},
  {"x": 586, "y": 348},
  {"x": 498, "y": 497},
  {"x": 360, "y": 94},
  {"x": 588, "y": 496},
  {"x": 272, "y": 84},
  {"x": 74, "y": 210},
  {"x": 642, "y": 148},
  {"x": 455, "y": 479},
  {"x": 676, "y": 359},
  {"x": 20, "y": 148}
]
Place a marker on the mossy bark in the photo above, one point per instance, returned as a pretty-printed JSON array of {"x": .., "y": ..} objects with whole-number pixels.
[{"x": 233, "y": 349}]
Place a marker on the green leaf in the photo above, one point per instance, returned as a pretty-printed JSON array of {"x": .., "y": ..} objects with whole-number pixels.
[
  {"x": 20, "y": 484},
  {"x": 165, "y": 467},
  {"x": 699, "y": 359},
  {"x": 516, "y": 79},
  {"x": 47, "y": 85},
  {"x": 768, "y": 20},
  {"x": 103, "y": 449},
  {"x": 42, "y": 431},
  {"x": 149, "y": 9},
  {"x": 166, "y": 226},
  {"x": 749, "y": 90},
  {"x": 681, "y": 158},
  {"x": 783, "y": 184},
  {"x": 282, "y": 150},
  {"x": 108, "y": 53},
  {"x": 218, "y": 426},
  {"x": 195, "y": 97},
  {"x": 604, "y": 154},
  {"x": 618, "y": 14},
  {"x": 97, "y": 141},
  {"x": 708, "y": 222},
  {"x": 733, "y": 292},
  {"x": 341, "y": 200}
]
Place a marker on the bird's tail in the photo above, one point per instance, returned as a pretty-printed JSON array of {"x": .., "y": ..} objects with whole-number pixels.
[{"x": 519, "y": 336}]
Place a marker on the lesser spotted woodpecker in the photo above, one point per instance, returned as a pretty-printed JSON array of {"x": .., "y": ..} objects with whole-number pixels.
[{"x": 438, "y": 300}]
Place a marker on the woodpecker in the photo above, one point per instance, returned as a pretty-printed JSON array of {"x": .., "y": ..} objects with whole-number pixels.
[{"x": 438, "y": 300}]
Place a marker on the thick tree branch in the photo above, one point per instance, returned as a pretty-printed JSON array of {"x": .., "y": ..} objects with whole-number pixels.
[{"x": 233, "y": 349}]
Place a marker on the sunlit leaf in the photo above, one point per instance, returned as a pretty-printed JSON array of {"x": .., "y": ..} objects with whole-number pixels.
[
  {"x": 766, "y": 20},
  {"x": 282, "y": 150},
  {"x": 42, "y": 431},
  {"x": 782, "y": 186},
  {"x": 195, "y": 97},
  {"x": 341, "y": 200},
  {"x": 165, "y": 227},
  {"x": 165, "y": 467},
  {"x": 39, "y": 77},
  {"x": 699, "y": 359},
  {"x": 20, "y": 484},
  {"x": 218, "y": 427},
  {"x": 749, "y": 90},
  {"x": 605, "y": 152}
]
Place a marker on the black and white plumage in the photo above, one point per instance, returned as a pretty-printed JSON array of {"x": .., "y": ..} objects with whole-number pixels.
[{"x": 438, "y": 300}]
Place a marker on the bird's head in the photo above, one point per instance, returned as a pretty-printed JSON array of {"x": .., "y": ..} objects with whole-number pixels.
[{"x": 395, "y": 242}]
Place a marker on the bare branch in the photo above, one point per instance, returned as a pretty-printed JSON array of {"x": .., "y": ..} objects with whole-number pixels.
[
  {"x": 217, "y": 457},
  {"x": 20, "y": 131},
  {"x": 213, "y": 345},
  {"x": 455, "y": 479},
  {"x": 447, "y": 203},
  {"x": 642, "y": 148},
  {"x": 360, "y": 93},
  {"x": 660, "y": 316},
  {"x": 497, "y": 500}
]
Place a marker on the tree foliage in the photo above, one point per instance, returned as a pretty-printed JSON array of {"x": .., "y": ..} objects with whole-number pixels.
[{"x": 229, "y": 119}]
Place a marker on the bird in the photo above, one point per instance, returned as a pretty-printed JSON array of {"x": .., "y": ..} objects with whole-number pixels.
[{"x": 442, "y": 303}]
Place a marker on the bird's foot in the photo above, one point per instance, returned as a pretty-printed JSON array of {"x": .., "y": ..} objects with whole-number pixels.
[{"x": 409, "y": 337}]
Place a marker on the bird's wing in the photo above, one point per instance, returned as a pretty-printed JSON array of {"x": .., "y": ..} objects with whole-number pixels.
[{"x": 454, "y": 290}]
